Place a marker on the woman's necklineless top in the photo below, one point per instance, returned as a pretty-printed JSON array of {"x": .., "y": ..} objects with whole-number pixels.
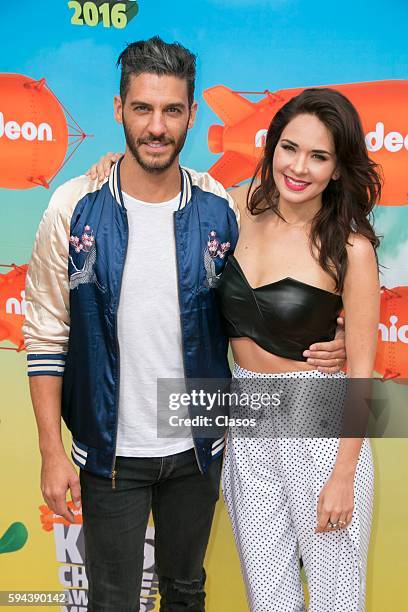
[{"x": 283, "y": 317}]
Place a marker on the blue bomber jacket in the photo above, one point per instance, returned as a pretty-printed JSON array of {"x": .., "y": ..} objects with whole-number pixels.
[{"x": 72, "y": 294}]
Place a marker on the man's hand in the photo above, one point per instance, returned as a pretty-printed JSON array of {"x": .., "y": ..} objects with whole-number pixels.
[
  {"x": 57, "y": 476},
  {"x": 57, "y": 472},
  {"x": 330, "y": 356},
  {"x": 101, "y": 169}
]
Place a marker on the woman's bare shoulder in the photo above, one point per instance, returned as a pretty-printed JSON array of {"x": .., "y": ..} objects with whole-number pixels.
[
  {"x": 240, "y": 195},
  {"x": 362, "y": 268},
  {"x": 359, "y": 249}
]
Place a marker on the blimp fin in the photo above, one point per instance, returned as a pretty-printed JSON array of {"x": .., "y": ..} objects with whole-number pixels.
[
  {"x": 232, "y": 168},
  {"x": 390, "y": 375},
  {"x": 230, "y": 107},
  {"x": 39, "y": 180},
  {"x": 38, "y": 85}
]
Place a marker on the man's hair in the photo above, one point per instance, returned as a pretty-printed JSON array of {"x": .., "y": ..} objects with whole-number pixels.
[{"x": 157, "y": 57}]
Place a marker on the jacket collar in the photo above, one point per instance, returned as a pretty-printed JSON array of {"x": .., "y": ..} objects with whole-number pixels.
[{"x": 116, "y": 190}]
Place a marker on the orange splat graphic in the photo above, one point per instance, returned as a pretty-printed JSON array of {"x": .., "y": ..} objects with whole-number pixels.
[
  {"x": 12, "y": 305},
  {"x": 48, "y": 518}
]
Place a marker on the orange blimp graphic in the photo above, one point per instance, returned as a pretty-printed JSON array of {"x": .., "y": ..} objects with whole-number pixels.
[
  {"x": 34, "y": 133},
  {"x": 382, "y": 107},
  {"x": 392, "y": 349},
  {"x": 12, "y": 306}
]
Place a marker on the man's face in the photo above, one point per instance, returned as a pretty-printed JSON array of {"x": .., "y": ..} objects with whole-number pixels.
[{"x": 155, "y": 117}]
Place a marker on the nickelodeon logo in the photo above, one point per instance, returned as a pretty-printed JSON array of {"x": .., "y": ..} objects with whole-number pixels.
[
  {"x": 260, "y": 138},
  {"x": 375, "y": 141},
  {"x": 15, "y": 306},
  {"x": 28, "y": 130},
  {"x": 393, "y": 333},
  {"x": 392, "y": 141}
]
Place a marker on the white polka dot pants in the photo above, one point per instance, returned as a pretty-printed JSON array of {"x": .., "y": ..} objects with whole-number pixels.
[{"x": 271, "y": 487}]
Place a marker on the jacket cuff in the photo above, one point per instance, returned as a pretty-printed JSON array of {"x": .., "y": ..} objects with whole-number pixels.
[{"x": 45, "y": 364}]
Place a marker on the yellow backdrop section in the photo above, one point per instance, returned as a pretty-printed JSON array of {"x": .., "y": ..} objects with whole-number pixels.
[{"x": 36, "y": 567}]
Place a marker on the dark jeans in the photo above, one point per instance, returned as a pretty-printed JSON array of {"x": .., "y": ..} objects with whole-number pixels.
[{"x": 114, "y": 521}]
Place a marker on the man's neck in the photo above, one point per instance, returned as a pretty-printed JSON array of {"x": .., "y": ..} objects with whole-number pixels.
[{"x": 149, "y": 186}]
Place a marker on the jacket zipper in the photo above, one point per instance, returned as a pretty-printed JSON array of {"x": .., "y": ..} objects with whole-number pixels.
[
  {"x": 114, "y": 470},
  {"x": 181, "y": 325},
  {"x": 114, "y": 477}
]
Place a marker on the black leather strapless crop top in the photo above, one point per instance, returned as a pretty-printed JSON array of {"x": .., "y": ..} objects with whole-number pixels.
[{"x": 284, "y": 317}]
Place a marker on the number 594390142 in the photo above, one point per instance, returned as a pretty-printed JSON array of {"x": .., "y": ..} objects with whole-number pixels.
[{"x": 111, "y": 14}]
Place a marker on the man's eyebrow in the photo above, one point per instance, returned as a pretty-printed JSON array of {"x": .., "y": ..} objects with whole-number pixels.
[
  {"x": 175, "y": 105},
  {"x": 140, "y": 103},
  {"x": 180, "y": 105},
  {"x": 313, "y": 150}
]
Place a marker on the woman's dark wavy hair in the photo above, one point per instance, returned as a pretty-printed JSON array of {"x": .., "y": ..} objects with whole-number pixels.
[{"x": 348, "y": 202}]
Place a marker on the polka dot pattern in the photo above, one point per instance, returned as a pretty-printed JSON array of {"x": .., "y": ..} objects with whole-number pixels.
[{"x": 271, "y": 487}]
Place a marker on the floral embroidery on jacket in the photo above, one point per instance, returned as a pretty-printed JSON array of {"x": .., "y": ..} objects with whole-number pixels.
[
  {"x": 86, "y": 274},
  {"x": 85, "y": 243},
  {"x": 214, "y": 249}
]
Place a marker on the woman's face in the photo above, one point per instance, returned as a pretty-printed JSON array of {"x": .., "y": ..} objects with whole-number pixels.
[{"x": 304, "y": 160}]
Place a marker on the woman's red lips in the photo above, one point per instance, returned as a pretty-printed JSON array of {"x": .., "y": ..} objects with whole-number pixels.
[{"x": 295, "y": 184}]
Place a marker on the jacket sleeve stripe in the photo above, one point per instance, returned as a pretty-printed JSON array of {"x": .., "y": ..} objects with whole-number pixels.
[
  {"x": 45, "y": 364},
  {"x": 81, "y": 461},
  {"x": 217, "y": 446},
  {"x": 46, "y": 356},
  {"x": 78, "y": 450},
  {"x": 46, "y": 372}
]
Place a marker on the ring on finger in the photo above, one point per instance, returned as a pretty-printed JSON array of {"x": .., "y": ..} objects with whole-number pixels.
[{"x": 334, "y": 525}]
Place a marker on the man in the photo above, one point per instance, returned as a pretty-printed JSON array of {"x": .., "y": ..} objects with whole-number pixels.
[{"x": 118, "y": 295}]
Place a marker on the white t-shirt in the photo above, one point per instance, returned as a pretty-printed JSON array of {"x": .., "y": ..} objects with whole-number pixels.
[{"x": 149, "y": 329}]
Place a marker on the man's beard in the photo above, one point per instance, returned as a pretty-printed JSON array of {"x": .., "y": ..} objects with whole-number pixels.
[{"x": 154, "y": 165}]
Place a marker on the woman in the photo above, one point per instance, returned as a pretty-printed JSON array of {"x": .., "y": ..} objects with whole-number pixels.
[{"x": 291, "y": 496}]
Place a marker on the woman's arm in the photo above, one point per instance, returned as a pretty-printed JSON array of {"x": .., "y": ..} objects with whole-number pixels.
[{"x": 361, "y": 298}]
